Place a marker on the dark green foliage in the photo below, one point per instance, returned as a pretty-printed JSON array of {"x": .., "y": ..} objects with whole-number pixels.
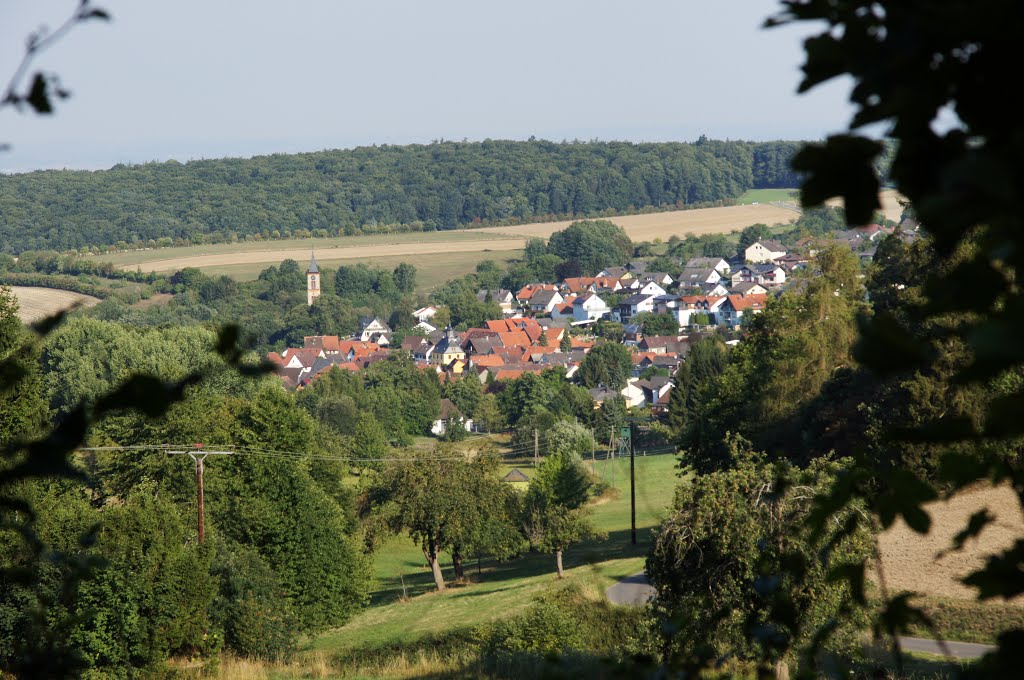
[
  {"x": 553, "y": 516},
  {"x": 252, "y": 607},
  {"x": 608, "y": 364},
  {"x": 445, "y": 504},
  {"x": 738, "y": 572},
  {"x": 907, "y": 68},
  {"x": 592, "y": 245},
  {"x": 23, "y": 410},
  {"x": 788, "y": 353},
  {"x": 548, "y": 394},
  {"x": 693, "y": 381},
  {"x": 657, "y": 324},
  {"x": 438, "y": 186}
]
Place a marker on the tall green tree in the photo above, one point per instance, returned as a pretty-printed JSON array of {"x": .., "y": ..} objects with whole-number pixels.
[
  {"x": 592, "y": 244},
  {"x": 608, "y": 364},
  {"x": 554, "y": 517}
]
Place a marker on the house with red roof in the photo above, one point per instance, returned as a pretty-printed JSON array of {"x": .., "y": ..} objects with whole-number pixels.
[{"x": 735, "y": 307}]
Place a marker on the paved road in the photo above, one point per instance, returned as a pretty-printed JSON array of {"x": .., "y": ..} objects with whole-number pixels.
[
  {"x": 959, "y": 650},
  {"x": 633, "y": 590},
  {"x": 636, "y": 590}
]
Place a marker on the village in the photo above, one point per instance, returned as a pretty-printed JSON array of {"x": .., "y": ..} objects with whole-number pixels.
[{"x": 548, "y": 325}]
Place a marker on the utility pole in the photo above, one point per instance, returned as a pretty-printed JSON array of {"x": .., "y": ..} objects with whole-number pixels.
[
  {"x": 593, "y": 451},
  {"x": 536, "y": 448},
  {"x": 632, "y": 485},
  {"x": 199, "y": 455}
]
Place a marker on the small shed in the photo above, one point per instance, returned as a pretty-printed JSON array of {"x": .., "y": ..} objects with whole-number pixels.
[{"x": 516, "y": 475}]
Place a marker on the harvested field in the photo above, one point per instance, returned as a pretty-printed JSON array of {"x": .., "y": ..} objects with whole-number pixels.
[
  {"x": 251, "y": 256},
  {"x": 910, "y": 559},
  {"x": 299, "y": 250},
  {"x": 639, "y": 228},
  {"x": 664, "y": 224},
  {"x": 890, "y": 200},
  {"x": 38, "y": 303}
]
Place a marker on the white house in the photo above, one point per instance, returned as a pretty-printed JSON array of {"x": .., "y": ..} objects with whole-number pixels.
[
  {"x": 633, "y": 305},
  {"x": 699, "y": 276},
  {"x": 633, "y": 393},
  {"x": 766, "y": 274},
  {"x": 425, "y": 313},
  {"x": 651, "y": 288},
  {"x": 543, "y": 301},
  {"x": 764, "y": 251},
  {"x": 697, "y": 304},
  {"x": 589, "y": 307},
  {"x": 736, "y": 307},
  {"x": 716, "y": 263},
  {"x": 663, "y": 279},
  {"x": 450, "y": 413},
  {"x": 504, "y": 298},
  {"x": 373, "y": 330}
]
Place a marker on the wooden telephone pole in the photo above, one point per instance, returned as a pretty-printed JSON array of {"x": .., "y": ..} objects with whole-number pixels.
[{"x": 199, "y": 455}]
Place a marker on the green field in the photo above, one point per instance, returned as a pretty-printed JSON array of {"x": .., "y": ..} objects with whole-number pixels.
[
  {"x": 500, "y": 589},
  {"x": 322, "y": 245},
  {"x": 431, "y": 270},
  {"x": 769, "y": 196}
]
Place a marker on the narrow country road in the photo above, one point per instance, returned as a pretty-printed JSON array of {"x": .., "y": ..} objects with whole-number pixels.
[
  {"x": 958, "y": 650},
  {"x": 632, "y": 590},
  {"x": 635, "y": 590}
]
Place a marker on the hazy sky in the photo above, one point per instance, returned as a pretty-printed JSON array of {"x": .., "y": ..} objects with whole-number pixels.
[{"x": 208, "y": 78}]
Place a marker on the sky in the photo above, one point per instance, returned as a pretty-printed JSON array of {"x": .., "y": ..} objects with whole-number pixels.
[{"x": 196, "y": 79}]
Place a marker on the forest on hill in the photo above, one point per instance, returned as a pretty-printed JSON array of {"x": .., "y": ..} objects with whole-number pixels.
[{"x": 444, "y": 185}]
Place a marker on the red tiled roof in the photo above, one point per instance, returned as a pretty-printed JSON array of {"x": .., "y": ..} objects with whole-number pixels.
[
  {"x": 516, "y": 339},
  {"x": 488, "y": 360},
  {"x": 745, "y": 302},
  {"x": 306, "y": 356},
  {"x": 328, "y": 343}
]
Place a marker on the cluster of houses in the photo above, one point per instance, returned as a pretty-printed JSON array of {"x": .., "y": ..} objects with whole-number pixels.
[
  {"x": 707, "y": 293},
  {"x": 712, "y": 290}
]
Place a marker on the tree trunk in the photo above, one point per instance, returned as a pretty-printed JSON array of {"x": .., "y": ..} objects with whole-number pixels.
[
  {"x": 460, "y": 571},
  {"x": 558, "y": 561},
  {"x": 435, "y": 567},
  {"x": 782, "y": 670}
]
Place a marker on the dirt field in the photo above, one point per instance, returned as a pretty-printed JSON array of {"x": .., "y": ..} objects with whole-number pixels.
[
  {"x": 37, "y": 303},
  {"x": 909, "y": 559}
]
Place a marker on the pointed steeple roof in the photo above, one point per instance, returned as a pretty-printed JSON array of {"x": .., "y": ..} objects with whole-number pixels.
[{"x": 312, "y": 264}]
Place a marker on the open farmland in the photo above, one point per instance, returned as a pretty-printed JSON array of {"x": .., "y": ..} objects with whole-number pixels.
[
  {"x": 910, "y": 559},
  {"x": 252, "y": 256},
  {"x": 38, "y": 303},
  {"x": 664, "y": 224}
]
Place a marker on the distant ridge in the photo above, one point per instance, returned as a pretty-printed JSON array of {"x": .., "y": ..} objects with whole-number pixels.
[{"x": 445, "y": 185}]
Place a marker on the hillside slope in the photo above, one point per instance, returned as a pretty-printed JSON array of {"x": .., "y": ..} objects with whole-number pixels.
[{"x": 437, "y": 186}]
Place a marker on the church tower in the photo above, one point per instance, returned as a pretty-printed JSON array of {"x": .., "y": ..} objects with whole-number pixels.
[{"x": 312, "y": 281}]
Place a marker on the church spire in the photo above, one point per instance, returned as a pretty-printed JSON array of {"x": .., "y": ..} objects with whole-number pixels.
[{"x": 312, "y": 280}]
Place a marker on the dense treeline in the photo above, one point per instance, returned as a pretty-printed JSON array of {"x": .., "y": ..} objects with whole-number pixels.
[{"x": 437, "y": 186}]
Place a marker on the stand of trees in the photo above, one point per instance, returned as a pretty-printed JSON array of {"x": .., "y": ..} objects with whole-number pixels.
[{"x": 445, "y": 185}]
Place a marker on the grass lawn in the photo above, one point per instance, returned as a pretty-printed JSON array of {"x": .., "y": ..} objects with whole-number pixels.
[
  {"x": 769, "y": 196},
  {"x": 501, "y": 589}
]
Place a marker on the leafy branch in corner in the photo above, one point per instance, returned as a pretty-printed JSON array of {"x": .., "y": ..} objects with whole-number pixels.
[{"x": 39, "y": 90}]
